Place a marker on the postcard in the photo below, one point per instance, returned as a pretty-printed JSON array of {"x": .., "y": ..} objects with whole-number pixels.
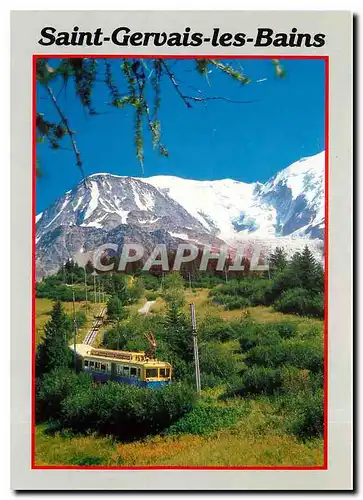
[{"x": 181, "y": 250}]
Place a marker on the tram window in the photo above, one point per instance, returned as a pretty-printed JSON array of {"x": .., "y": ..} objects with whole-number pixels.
[
  {"x": 97, "y": 366},
  {"x": 151, "y": 372},
  {"x": 92, "y": 364},
  {"x": 86, "y": 362},
  {"x": 167, "y": 372},
  {"x": 133, "y": 372},
  {"x": 103, "y": 367},
  {"x": 162, "y": 372},
  {"x": 126, "y": 371},
  {"x": 138, "y": 372}
]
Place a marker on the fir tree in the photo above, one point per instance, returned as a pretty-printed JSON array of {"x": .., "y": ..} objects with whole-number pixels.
[
  {"x": 54, "y": 352},
  {"x": 277, "y": 261},
  {"x": 115, "y": 309},
  {"x": 309, "y": 271}
]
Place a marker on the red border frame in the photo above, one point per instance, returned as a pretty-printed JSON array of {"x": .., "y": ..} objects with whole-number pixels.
[{"x": 326, "y": 243}]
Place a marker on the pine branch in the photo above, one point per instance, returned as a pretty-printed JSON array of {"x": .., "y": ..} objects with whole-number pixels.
[
  {"x": 69, "y": 131},
  {"x": 215, "y": 98},
  {"x": 175, "y": 84}
]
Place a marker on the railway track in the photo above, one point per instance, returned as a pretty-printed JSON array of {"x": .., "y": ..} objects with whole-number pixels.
[{"x": 91, "y": 335}]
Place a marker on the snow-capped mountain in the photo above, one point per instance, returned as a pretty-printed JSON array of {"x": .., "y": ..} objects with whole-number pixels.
[{"x": 166, "y": 209}]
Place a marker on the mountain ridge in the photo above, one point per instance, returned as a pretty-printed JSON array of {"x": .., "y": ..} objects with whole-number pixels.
[{"x": 290, "y": 205}]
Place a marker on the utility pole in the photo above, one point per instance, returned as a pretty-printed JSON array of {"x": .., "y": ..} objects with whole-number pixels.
[
  {"x": 94, "y": 274},
  {"x": 190, "y": 281},
  {"x": 74, "y": 334},
  {"x": 85, "y": 287},
  {"x": 195, "y": 346}
]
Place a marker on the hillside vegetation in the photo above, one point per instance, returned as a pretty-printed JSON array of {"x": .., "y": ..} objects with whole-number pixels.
[{"x": 262, "y": 372}]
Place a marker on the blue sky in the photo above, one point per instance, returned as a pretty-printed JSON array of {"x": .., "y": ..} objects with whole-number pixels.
[{"x": 247, "y": 142}]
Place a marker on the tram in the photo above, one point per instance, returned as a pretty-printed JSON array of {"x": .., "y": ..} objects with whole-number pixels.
[{"x": 135, "y": 368}]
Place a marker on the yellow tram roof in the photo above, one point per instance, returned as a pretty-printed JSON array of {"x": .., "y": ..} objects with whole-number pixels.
[{"x": 88, "y": 351}]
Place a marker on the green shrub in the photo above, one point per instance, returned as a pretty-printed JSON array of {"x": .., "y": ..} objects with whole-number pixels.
[
  {"x": 81, "y": 318},
  {"x": 151, "y": 282},
  {"x": 305, "y": 414},
  {"x": 254, "y": 334},
  {"x": 207, "y": 418},
  {"x": 295, "y": 380},
  {"x": 216, "y": 328},
  {"x": 216, "y": 359},
  {"x": 258, "y": 380},
  {"x": 54, "y": 387},
  {"x": 127, "y": 411},
  {"x": 236, "y": 303},
  {"x": 299, "y": 353},
  {"x": 256, "y": 291},
  {"x": 115, "y": 309},
  {"x": 286, "y": 329},
  {"x": 118, "y": 337},
  {"x": 301, "y": 301},
  {"x": 151, "y": 295}
]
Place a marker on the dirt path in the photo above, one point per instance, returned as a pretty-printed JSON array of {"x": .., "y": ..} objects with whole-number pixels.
[{"x": 146, "y": 307}]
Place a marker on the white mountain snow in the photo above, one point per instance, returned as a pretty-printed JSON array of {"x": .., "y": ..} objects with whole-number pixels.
[{"x": 287, "y": 210}]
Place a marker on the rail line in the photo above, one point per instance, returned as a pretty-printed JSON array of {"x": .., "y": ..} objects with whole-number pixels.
[{"x": 91, "y": 335}]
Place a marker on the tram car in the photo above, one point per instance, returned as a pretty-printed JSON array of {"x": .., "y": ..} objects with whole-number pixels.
[{"x": 128, "y": 367}]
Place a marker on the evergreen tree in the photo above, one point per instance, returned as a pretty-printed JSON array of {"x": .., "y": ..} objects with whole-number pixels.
[
  {"x": 116, "y": 285},
  {"x": 178, "y": 332},
  {"x": 277, "y": 261},
  {"x": 174, "y": 290},
  {"x": 54, "y": 352},
  {"x": 309, "y": 271},
  {"x": 115, "y": 309}
]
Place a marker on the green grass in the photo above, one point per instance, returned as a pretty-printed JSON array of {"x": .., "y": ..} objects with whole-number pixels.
[{"x": 257, "y": 438}]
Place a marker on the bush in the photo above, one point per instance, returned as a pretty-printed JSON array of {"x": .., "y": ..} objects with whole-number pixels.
[
  {"x": 255, "y": 291},
  {"x": 301, "y": 301},
  {"x": 305, "y": 414},
  {"x": 216, "y": 328},
  {"x": 236, "y": 303},
  {"x": 116, "y": 309},
  {"x": 301, "y": 354},
  {"x": 127, "y": 411},
  {"x": 295, "y": 380},
  {"x": 216, "y": 359},
  {"x": 151, "y": 295},
  {"x": 136, "y": 290},
  {"x": 254, "y": 334},
  {"x": 54, "y": 387},
  {"x": 81, "y": 318},
  {"x": 258, "y": 380},
  {"x": 207, "y": 418},
  {"x": 55, "y": 291},
  {"x": 151, "y": 282},
  {"x": 118, "y": 337}
]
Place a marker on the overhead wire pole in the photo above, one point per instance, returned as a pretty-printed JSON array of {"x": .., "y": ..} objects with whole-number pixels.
[
  {"x": 74, "y": 334},
  {"x": 195, "y": 347},
  {"x": 94, "y": 286},
  {"x": 85, "y": 287}
]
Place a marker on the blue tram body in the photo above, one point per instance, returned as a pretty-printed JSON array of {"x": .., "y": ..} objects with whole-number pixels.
[{"x": 133, "y": 368}]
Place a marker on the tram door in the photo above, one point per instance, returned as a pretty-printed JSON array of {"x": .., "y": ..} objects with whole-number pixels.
[{"x": 113, "y": 371}]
